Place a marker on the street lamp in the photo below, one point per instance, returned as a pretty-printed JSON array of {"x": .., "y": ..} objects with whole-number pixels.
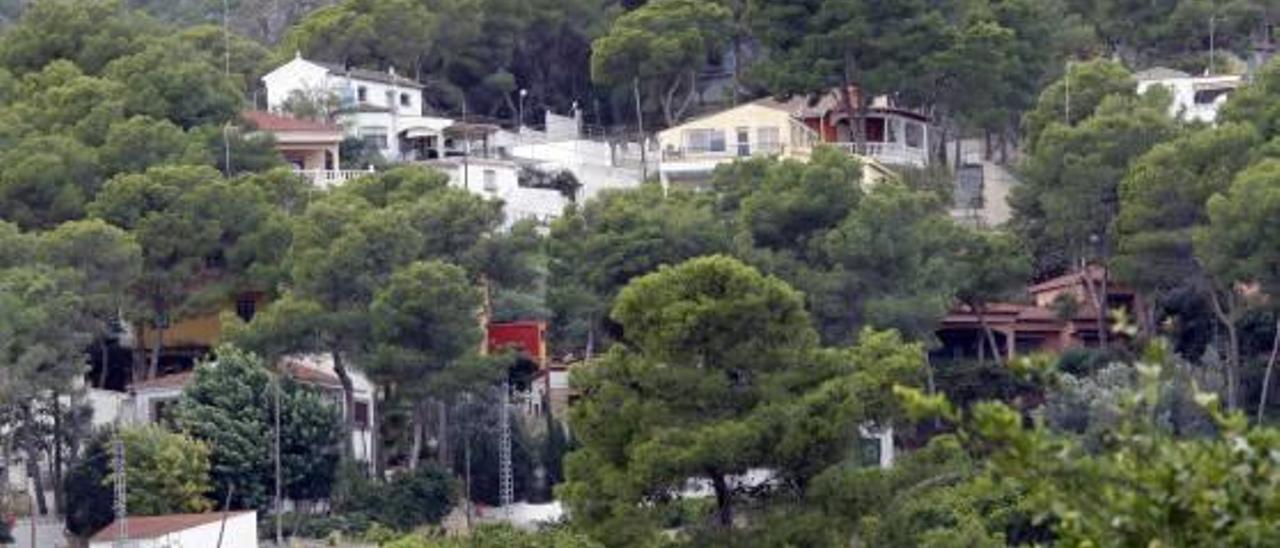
[{"x": 520, "y": 125}]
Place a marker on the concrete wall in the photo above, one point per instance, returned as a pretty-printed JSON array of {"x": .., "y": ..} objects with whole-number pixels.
[
  {"x": 241, "y": 531},
  {"x": 1184, "y": 93},
  {"x": 500, "y": 180}
]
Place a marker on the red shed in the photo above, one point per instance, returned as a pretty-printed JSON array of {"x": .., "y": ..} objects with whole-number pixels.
[{"x": 528, "y": 337}]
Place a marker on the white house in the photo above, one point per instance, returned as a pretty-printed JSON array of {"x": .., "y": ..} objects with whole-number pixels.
[
  {"x": 500, "y": 179},
  {"x": 1195, "y": 98},
  {"x": 229, "y": 530},
  {"x": 152, "y": 401},
  {"x": 382, "y": 108}
]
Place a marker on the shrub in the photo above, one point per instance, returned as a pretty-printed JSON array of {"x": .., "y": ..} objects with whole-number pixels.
[{"x": 409, "y": 500}]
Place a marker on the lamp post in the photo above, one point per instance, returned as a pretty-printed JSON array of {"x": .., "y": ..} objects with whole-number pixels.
[{"x": 520, "y": 111}]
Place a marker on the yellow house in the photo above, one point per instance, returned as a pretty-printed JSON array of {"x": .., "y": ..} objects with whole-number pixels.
[
  {"x": 691, "y": 151},
  {"x": 194, "y": 336}
]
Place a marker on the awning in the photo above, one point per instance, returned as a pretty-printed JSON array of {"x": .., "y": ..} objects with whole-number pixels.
[{"x": 419, "y": 132}]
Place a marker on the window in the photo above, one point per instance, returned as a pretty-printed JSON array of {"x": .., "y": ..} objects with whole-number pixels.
[
  {"x": 768, "y": 140},
  {"x": 246, "y": 307},
  {"x": 914, "y": 133},
  {"x": 391, "y": 98},
  {"x": 361, "y": 414},
  {"x": 362, "y": 94},
  {"x": 704, "y": 140},
  {"x": 744, "y": 141},
  {"x": 490, "y": 180},
  {"x": 405, "y": 101},
  {"x": 374, "y": 136}
]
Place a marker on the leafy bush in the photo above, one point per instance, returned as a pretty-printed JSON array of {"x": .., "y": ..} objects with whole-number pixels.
[
  {"x": 500, "y": 536},
  {"x": 85, "y": 485},
  {"x": 411, "y": 499}
]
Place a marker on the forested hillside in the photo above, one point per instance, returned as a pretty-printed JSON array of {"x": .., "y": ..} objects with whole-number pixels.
[{"x": 802, "y": 350}]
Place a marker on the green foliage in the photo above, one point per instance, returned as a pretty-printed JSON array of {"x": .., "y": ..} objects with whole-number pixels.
[
  {"x": 168, "y": 473},
  {"x": 661, "y": 45},
  {"x": 230, "y": 407},
  {"x": 501, "y": 536},
  {"x": 408, "y": 500},
  {"x": 1089, "y": 83},
  {"x": 687, "y": 395},
  {"x": 1067, "y": 208},
  {"x": 84, "y": 484}
]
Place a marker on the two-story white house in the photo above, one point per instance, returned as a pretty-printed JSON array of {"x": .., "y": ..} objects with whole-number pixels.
[{"x": 384, "y": 109}]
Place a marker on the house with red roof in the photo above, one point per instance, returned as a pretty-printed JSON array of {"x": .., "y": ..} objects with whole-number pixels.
[
  {"x": 311, "y": 147},
  {"x": 1059, "y": 314},
  {"x": 224, "y": 529}
]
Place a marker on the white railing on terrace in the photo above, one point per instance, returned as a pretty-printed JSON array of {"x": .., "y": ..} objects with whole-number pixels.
[
  {"x": 329, "y": 177},
  {"x": 887, "y": 153},
  {"x": 730, "y": 152}
]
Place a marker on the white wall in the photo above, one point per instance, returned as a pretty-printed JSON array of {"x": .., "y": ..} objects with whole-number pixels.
[
  {"x": 500, "y": 180},
  {"x": 296, "y": 75},
  {"x": 241, "y": 531},
  {"x": 597, "y": 165},
  {"x": 1184, "y": 96}
]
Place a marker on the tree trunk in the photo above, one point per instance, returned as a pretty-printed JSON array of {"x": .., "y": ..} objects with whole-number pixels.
[
  {"x": 106, "y": 362},
  {"x": 1228, "y": 320},
  {"x": 1266, "y": 378},
  {"x": 1098, "y": 300},
  {"x": 419, "y": 424},
  {"x": 32, "y": 450},
  {"x": 442, "y": 444},
  {"x": 724, "y": 500},
  {"x": 55, "y": 470},
  {"x": 154, "y": 368},
  {"x": 348, "y": 406},
  {"x": 989, "y": 333}
]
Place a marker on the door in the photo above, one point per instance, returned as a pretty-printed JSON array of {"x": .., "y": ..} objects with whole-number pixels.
[{"x": 744, "y": 141}]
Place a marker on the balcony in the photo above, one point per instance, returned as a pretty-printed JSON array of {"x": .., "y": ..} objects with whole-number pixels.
[
  {"x": 893, "y": 154},
  {"x": 729, "y": 153},
  {"x": 325, "y": 178}
]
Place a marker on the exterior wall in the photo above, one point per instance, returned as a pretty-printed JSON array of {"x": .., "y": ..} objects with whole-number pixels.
[
  {"x": 501, "y": 180},
  {"x": 598, "y": 165},
  {"x": 142, "y": 408},
  {"x": 107, "y": 406},
  {"x": 1184, "y": 104},
  {"x": 296, "y": 75},
  {"x": 202, "y": 331},
  {"x": 750, "y": 116},
  {"x": 309, "y": 157}
]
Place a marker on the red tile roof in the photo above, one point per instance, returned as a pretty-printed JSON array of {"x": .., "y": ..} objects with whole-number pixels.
[
  {"x": 146, "y": 527},
  {"x": 267, "y": 121},
  {"x": 176, "y": 380},
  {"x": 309, "y": 373}
]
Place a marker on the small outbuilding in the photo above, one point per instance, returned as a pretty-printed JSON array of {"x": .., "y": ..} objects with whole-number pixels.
[{"x": 240, "y": 530}]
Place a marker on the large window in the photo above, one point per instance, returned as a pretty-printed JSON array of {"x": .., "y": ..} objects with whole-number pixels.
[
  {"x": 704, "y": 140},
  {"x": 768, "y": 140},
  {"x": 374, "y": 136},
  {"x": 914, "y": 133}
]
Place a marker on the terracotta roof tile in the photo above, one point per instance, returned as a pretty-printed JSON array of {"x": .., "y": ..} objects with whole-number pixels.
[
  {"x": 176, "y": 380},
  {"x": 146, "y": 527}
]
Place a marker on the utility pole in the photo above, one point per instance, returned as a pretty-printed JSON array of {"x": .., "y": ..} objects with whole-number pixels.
[
  {"x": 276, "y": 455},
  {"x": 121, "y": 493},
  {"x": 506, "y": 484}
]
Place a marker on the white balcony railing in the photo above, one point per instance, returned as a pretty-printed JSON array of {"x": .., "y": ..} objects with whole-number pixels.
[
  {"x": 729, "y": 153},
  {"x": 326, "y": 178},
  {"x": 887, "y": 153}
]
